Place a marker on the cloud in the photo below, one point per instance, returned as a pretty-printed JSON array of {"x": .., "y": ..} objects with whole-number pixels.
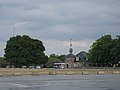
[
  {"x": 62, "y": 46},
  {"x": 19, "y": 23},
  {"x": 69, "y": 29},
  {"x": 81, "y": 43},
  {"x": 59, "y": 20}
]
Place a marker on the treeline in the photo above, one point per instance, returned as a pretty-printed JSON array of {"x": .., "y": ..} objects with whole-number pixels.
[
  {"x": 25, "y": 51},
  {"x": 105, "y": 52}
]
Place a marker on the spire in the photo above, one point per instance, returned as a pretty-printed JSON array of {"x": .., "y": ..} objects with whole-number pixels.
[
  {"x": 70, "y": 50},
  {"x": 70, "y": 42}
]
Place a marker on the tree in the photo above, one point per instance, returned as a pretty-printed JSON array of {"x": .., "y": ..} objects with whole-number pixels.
[
  {"x": 62, "y": 58},
  {"x": 22, "y": 50},
  {"x": 2, "y": 61},
  {"x": 115, "y": 51},
  {"x": 55, "y": 59},
  {"x": 99, "y": 54}
]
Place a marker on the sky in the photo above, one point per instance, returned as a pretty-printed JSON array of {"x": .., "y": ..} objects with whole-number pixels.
[{"x": 55, "y": 22}]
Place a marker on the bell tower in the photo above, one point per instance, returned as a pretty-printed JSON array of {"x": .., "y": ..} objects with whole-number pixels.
[{"x": 70, "y": 50}]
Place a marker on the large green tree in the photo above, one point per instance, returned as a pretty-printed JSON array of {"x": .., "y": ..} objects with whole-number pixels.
[
  {"x": 99, "y": 54},
  {"x": 22, "y": 50},
  {"x": 105, "y": 51},
  {"x": 115, "y": 51}
]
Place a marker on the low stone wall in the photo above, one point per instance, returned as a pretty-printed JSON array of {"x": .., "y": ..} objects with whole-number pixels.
[{"x": 21, "y": 72}]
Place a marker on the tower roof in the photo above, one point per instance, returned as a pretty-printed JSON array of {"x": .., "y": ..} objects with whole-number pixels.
[{"x": 70, "y": 55}]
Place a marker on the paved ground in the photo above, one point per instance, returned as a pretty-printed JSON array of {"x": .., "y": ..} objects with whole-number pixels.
[{"x": 61, "y": 82}]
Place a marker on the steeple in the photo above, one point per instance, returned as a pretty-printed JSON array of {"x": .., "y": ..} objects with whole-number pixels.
[
  {"x": 70, "y": 50},
  {"x": 70, "y": 42}
]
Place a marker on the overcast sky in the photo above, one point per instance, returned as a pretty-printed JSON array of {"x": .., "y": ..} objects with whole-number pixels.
[{"x": 55, "y": 22}]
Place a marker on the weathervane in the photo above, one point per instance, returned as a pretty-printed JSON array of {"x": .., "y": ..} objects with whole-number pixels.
[{"x": 70, "y": 42}]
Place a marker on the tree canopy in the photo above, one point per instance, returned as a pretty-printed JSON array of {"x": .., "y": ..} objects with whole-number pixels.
[
  {"x": 2, "y": 61},
  {"x": 22, "y": 50},
  {"x": 105, "y": 51}
]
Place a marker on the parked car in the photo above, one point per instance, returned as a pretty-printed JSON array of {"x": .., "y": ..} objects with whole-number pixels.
[
  {"x": 31, "y": 67},
  {"x": 24, "y": 66},
  {"x": 7, "y": 66},
  {"x": 38, "y": 67}
]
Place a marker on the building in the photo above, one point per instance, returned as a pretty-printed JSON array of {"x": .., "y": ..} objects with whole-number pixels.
[
  {"x": 82, "y": 58},
  {"x": 75, "y": 61}
]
